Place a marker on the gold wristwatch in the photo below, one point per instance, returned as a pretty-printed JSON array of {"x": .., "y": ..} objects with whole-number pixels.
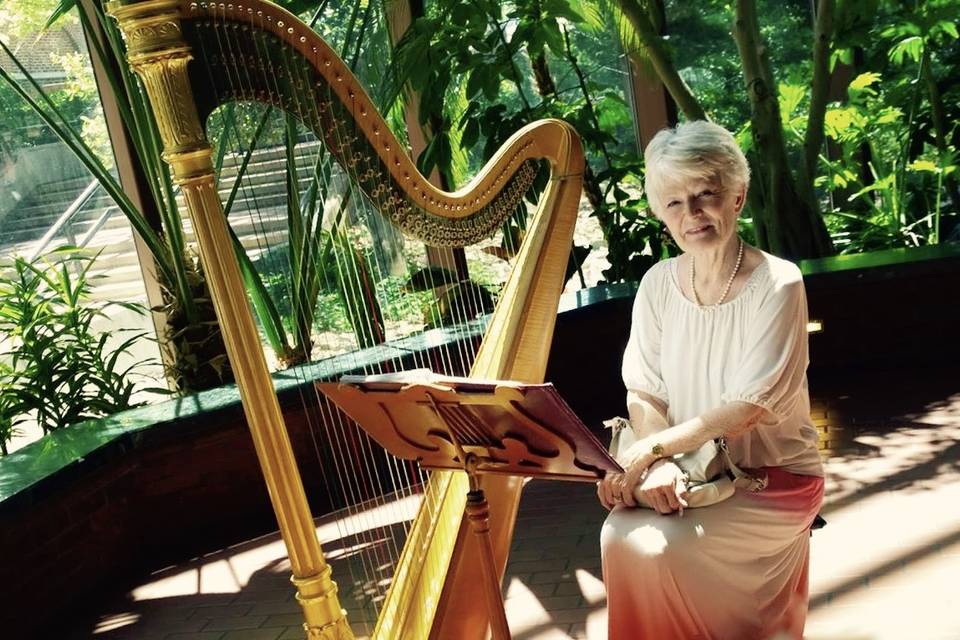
[{"x": 657, "y": 450}]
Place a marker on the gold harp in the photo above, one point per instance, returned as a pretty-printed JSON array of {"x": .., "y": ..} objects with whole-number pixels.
[{"x": 173, "y": 46}]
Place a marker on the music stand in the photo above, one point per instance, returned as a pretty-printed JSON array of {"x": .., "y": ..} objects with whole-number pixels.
[{"x": 479, "y": 427}]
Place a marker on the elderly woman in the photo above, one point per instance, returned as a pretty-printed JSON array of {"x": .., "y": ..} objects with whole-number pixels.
[{"x": 718, "y": 347}]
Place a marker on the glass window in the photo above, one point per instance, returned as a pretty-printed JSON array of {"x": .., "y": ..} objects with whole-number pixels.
[{"x": 48, "y": 199}]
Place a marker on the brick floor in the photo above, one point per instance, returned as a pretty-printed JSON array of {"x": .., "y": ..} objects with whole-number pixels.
[{"x": 885, "y": 567}]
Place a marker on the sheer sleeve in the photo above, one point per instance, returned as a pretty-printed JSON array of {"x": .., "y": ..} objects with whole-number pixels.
[
  {"x": 772, "y": 372},
  {"x": 641, "y": 359}
]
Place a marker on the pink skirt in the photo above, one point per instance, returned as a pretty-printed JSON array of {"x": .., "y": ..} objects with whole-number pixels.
[{"x": 736, "y": 570}]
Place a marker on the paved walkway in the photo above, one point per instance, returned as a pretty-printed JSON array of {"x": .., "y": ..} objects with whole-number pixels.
[{"x": 885, "y": 567}]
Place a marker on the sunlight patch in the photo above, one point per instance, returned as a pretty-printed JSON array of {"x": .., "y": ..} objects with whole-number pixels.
[
  {"x": 591, "y": 587},
  {"x": 116, "y": 621}
]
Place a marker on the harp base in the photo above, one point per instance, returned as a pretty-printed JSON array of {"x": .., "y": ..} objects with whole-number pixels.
[{"x": 478, "y": 513}]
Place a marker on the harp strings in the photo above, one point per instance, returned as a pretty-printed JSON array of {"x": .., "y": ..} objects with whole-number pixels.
[
  {"x": 223, "y": 44},
  {"x": 373, "y": 490},
  {"x": 331, "y": 419},
  {"x": 366, "y": 485}
]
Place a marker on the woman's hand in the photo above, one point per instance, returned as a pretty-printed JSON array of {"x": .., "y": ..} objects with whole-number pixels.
[
  {"x": 617, "y": 488},
  {"x": 664, "y": 486},
  {"x": 610, "y": 490}
]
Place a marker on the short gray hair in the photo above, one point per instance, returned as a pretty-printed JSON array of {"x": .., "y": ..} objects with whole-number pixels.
[{"x": 693, "y": 151}]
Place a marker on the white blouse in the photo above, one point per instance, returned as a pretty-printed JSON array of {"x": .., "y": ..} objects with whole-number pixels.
[{"x": 752, "y": 348}]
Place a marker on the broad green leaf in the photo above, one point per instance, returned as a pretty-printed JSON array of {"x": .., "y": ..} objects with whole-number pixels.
[
  {"x": 562, "y": 9},
  {"x": 923, "y": 165},
  {"x": 843, "y": 123},
  {"x": 791, "y": 95},
  {"x": 359, "y": 295},
  {"x": 950, "y": 28},
  {"x": 911, "y": 47},
  {"x": 887, "y": 116},
  {"x": 591, "y": 13},
  {"x": 865, "y": 80}
]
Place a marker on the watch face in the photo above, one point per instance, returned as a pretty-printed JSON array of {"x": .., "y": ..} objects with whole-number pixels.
[{"x": 657, "y": 450}]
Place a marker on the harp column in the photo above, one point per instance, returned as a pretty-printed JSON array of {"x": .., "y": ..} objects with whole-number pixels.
[{"x": 158, "y": 53}]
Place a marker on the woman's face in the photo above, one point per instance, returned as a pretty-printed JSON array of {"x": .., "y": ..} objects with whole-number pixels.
[{"x": 700, "y": 214}]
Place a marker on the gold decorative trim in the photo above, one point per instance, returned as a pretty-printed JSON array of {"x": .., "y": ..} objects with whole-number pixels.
[{"x": 539, "y": 140}]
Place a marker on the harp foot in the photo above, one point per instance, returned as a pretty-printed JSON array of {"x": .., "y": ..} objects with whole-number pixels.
[{"x": 325, "y": 620}]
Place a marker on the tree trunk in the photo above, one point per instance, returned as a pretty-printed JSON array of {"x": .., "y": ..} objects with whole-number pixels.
[
  {"x": 788, "y": 223},
  {"x": 541, "y": 73},
  {"x": 820, "y": 90},
  {"x": 652, "y": 105},
  {"x": 660, "y": 59},
  {"x": 400, "y": 14}
]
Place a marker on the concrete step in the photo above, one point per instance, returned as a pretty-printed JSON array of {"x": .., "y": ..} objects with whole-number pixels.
[
  {"x": 267, "y": 154},
  {"x": 258, "y": 218},
  {"x": 31, "y": 231},
  {"x": 123, "y": 284},
  {"x": 304, "y": 165},
  {"x": 64, "y": 186},
  {"x": 265, "y": 176},
  {"x": 264, "y": 167},
  {"x": 268, "y": 200},
  {"x": 275, "y": 181},
  {"x": 55, "y": 207}
]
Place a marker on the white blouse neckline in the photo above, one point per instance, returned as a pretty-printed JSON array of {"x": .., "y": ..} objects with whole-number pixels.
[{"x": 748, "y": 286}]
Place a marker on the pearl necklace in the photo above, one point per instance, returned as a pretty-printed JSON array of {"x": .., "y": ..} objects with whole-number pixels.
[{"x": 726, "y": 289}]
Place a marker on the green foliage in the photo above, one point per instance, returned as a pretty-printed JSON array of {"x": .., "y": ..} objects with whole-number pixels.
[
  {"x": 21, "y": 128},
  {"x": 641, "y": 240},
  {"x": 892, "y": 169},
  {"x": 357, "y": 291},
  {"x": 516, "y": 63},
  {"x": 10, "y": 415},
  {"x": 890, "y": 203},
  {"x": 190, "y": 337},
  {"x": 25, "y": 17},
  {"x": 886, "y": 176},
  {"x": 456, "y": 299},
  {"x": 56, "y": 369}
]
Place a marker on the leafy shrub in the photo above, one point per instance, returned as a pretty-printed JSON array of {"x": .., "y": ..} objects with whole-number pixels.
[{"x": 55, "y": 368}]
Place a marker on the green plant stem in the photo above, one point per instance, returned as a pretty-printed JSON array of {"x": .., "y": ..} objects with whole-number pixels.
[
  {"x": 787, "y": 220},
  {"x": 935, "y": 235},
  {"x": 939, "y": 117},
  {"x": 254, "y": 139},
  {"x": 149, "y": 149},
  {"x": 900, "y": 164},
  {"x": 355, "y": 58}
]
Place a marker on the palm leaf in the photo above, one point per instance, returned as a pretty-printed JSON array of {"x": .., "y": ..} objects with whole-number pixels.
[
  {"x": 63, "y": 8},
  {"x": 357, "y": 292},
  {"x": 263, "y": 304}
]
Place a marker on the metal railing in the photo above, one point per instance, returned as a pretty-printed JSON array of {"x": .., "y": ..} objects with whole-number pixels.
[{"x": 65, "y": 219}]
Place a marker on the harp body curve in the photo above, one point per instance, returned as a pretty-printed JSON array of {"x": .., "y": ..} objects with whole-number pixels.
[{"x": 437, "y": 599}]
